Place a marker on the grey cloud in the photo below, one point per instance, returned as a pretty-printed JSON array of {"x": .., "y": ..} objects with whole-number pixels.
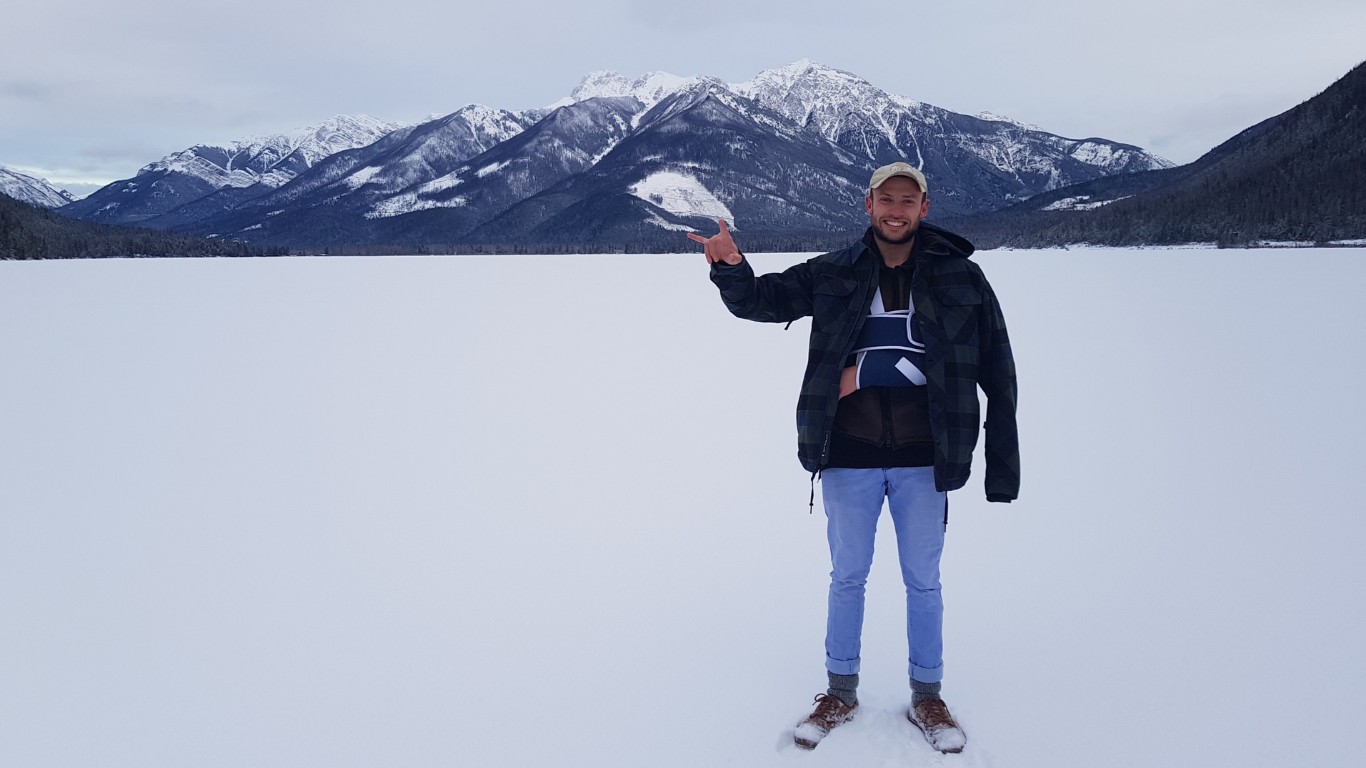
[{"x": 26, "y": 90}]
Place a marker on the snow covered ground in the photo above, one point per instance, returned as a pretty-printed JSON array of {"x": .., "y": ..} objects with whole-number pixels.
[{"x": 546, "y": 511}]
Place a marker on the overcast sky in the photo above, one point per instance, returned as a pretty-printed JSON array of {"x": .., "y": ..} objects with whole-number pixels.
[{"x": 92, "y": 91}]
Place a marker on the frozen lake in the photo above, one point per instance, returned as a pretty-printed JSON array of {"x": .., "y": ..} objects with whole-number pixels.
[{"x": 524, "y": 511}]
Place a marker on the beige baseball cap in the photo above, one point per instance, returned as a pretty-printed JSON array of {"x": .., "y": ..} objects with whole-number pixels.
[{"x": 898, "y": 169}]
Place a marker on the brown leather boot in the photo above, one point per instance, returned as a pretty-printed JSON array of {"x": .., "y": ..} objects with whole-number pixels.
[
  {"x": 932, "y": 717},
  {"x": 830, "y": 711}
]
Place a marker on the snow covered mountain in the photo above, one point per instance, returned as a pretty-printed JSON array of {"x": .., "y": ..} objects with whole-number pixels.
[
  {"x": 620, "y": 160},
  {"x": 349, "y": 197},
  {"x": 249, "y": 166},
  {"x": 975, "y": 161},
  {"x": 701, "y": 153},
  {"x": 1315, "y": 152},
  {"x": 335, "y": 193},
  {"x": 31, "y": 189}
]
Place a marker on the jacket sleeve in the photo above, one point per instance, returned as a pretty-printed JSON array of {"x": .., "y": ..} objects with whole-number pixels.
[
  {"x": 998, "y": 383},
  {"x": 777, "y": 297}
]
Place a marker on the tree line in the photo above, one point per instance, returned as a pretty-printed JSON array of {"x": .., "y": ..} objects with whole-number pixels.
[{"x": 29, "y": 232}]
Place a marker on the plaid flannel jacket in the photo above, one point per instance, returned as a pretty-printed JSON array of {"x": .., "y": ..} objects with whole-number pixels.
[{"x": 960, "y": 321}]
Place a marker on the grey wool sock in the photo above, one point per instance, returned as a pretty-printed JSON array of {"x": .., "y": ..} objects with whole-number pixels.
[
  {"x": 922, "y": 691},
  {"x": 844, "y": 688}
]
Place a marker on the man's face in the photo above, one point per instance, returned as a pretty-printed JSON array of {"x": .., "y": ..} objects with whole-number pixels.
[{"x": 895, "y": 210}]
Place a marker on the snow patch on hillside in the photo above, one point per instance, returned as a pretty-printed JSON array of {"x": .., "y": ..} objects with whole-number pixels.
[
  {"x": 362, "y": 177},
  {"x": 1080, "y": 203},
  {"x": 1095, "y": 153},
  {"x": 492, "y": 168},
  {"x": 681, "y": 195},
  {"x": 443, "y": 183},
  {"x": 660, "y": 222},
  {"x": 408, "y": 203}
]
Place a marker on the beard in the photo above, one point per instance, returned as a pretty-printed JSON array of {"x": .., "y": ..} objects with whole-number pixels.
[{"x": 905, "y": 237}]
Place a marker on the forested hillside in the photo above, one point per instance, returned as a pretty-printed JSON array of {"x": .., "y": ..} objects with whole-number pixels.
[
  {"x": 28, "y": 232},
  {"x": 1298, "y": 176}
]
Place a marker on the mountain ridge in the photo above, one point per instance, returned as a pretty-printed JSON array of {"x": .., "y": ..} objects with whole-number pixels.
[
  {"x": 438, "y": 194},
  {"x": 32, "y": 189},
  {"x": 1294, "y": 177},
  {"x": 254, "y": 164}
]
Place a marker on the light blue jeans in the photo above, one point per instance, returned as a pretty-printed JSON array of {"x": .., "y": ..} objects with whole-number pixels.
[{"x": 853, "y": 502}]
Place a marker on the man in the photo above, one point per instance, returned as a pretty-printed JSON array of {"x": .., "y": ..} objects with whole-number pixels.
[{"x": 904, "y": 330}]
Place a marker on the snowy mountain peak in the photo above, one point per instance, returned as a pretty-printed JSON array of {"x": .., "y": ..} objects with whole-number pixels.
[
  {"x": 648, "y": 89},
  {"x": 248, "y": 161},
  {"x": 824, "y": 98},
  {"x": 435, "y": 148},
  {"x": 788, "y": 150},
  {"x": 343, "y": 132},
  {"x": 478, "y": 113},
  {"x": 798, "y": 66},
  {"x": 31, "y": 189},
  {"x": 474, "y": 120},
  {"x": 601, "y": 83},
  {"x": 992, "y": 117},
  {"x": 804, "y": 71},
  {"x": 261, "y": 162}
]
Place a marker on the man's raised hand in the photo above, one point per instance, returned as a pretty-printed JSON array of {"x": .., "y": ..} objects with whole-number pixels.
[{"x": 719, "y": 247}]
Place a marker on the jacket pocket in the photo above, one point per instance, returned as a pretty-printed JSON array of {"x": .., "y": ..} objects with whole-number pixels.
[
  {"x": 834, "y": 285},
  {"x": 832, "y": 305},
  {"x": 959, "y": 307},
  {"x": 958, "y": 295}
]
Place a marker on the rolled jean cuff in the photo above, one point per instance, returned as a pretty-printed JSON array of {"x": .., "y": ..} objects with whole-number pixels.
[
  {"x": 927, "y": 675},
  {"x": 843, "y": 666}
]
